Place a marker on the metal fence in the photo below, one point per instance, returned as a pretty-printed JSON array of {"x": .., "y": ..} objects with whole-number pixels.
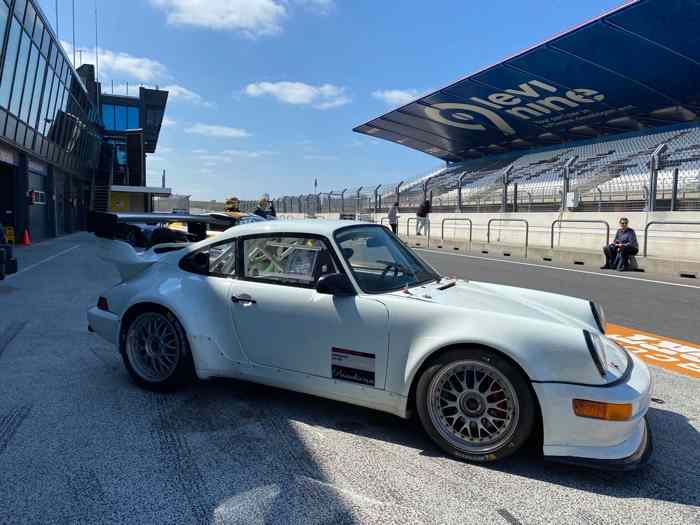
[{"x": 453, "y": 189}]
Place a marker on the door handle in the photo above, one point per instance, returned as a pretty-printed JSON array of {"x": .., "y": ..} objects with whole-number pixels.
[{"x": 243, "y": 298}]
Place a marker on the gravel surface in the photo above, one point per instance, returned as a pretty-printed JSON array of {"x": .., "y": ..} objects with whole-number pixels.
[{"x": 79, "y": 443}]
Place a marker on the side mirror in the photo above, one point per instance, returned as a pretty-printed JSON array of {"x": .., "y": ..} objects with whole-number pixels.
[{"x": 336, "y": 284}]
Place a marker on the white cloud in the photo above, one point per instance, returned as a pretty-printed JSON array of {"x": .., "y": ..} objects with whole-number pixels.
[
  {"x": 168, "y": 122},
  {"x": 155, "y": 158},
  {"x": 178, "y": 92},
  {"x": 199, "y": 151},
  {"x": 252, "y": 18},
  {"x": 323, "y": 96},
  {"x": 249, "y": 17},
  {"x": 211, "y": 130},
  {"x": 122, "y": 64},
  {"x": 396, "y": 97},
  {"x": 248, "y": 154},
  {"x": 320, "y": 157}
]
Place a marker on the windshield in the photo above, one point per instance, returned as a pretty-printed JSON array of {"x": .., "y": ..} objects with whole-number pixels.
[{"x": 379, "y": 262}]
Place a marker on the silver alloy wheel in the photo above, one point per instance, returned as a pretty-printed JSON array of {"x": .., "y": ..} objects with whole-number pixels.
[
  {"x": 473, "y": 406},
  {"x": 153, "y": 347}
]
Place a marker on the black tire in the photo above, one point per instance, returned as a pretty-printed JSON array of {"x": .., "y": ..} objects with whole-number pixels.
[
  {"x": 516, "y": 429},
  {"x": 182, "y": 372}
]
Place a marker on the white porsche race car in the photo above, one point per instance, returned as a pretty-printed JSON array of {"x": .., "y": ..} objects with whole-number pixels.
[{"x": 348, "y": 312}]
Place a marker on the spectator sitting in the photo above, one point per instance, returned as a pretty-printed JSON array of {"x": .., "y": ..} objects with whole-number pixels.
[{"x": 617, "y": 254}]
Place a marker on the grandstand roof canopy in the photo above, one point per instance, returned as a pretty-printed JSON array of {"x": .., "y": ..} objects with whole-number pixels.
[{"x": 633, "y": 68}]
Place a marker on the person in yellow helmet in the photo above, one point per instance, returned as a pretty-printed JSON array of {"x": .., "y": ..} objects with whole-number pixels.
[{"x": 232, "y": 205}]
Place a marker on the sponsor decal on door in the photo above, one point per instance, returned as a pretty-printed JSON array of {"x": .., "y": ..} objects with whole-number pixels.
[{"x": 354, "y": 366}]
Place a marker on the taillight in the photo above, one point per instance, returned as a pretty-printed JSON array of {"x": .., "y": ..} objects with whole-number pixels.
[{"x": 102, "y": 304}]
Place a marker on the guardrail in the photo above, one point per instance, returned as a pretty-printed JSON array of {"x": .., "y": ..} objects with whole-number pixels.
[
  {"x": 427, "y": 228},
  {"x": 590, "y": 221},
  {"x": 454, "y": 219},
  {"x": 673, "y": 223},
  {"x": 527, "y": 230}
]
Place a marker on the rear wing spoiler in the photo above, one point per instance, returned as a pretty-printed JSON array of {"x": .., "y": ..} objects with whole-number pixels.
[{"x": 108, "y": 225}]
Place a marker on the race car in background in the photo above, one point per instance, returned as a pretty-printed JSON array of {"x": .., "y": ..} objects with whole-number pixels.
[
  {"x": 145, "y": 230},
  {"x": 348, "y": 312}
]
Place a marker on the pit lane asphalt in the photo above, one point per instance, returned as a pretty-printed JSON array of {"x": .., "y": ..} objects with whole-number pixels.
[{"x": 80, "y": 443}]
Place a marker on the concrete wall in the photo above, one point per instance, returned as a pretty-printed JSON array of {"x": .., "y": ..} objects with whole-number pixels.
[{"x": 671, "y": 242}]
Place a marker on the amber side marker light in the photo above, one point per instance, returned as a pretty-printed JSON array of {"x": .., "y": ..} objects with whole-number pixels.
[{"x": 600, "y": 410}]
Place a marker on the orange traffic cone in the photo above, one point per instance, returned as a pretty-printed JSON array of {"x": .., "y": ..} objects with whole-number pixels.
[{"x": 26, "y": 239}]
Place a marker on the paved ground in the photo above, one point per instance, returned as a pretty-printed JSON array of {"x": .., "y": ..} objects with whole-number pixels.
[{"x": 80, "y": 444}]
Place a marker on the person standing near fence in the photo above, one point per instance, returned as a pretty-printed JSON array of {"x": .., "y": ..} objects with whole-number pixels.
[
  {"x": 394, "y": 218},
  {"x": 422, "y": 216}
]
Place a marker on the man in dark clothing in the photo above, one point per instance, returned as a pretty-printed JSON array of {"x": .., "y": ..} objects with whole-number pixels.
[
  {"x": 265, "y": 209},
  {"x": 617, "y": 254}
]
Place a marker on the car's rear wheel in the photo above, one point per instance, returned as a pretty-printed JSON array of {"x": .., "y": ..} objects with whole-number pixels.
[
  {"x": 155, "y": 351},
  {"x": 475, "y": 404}
]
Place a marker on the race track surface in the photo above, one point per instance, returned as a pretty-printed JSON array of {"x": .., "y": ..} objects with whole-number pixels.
[{"x": 79, "y": 443}]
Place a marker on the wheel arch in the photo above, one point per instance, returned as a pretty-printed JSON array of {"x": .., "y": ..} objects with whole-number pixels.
[
  {"x": 138, "y": 308},
  {"x": 435, "y": 354}
]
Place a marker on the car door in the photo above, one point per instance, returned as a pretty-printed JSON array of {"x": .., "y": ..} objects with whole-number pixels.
[{"x": 283, "y": 322}]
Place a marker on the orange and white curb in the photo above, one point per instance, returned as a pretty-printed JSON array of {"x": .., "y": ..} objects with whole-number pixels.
[{"x": 665, "y": 352}]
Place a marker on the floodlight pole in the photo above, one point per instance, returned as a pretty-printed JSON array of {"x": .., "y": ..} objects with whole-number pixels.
[
  {"x": 377, "y": 200},
  {"x": 506, "y": 181},
  {"x": 567, "y": 180},
  {"x": 459, "y": 190},
  {"x": 342, "y": 200},
  {"x": 654, "y": 175},
  {"x": 357, "y": 201}
]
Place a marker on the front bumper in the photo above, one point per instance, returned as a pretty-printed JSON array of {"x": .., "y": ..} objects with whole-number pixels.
[
  {"x": 594, "y": 442},
  {"x": 104, "y": 324},
  {"x": 632, "y": 462}
]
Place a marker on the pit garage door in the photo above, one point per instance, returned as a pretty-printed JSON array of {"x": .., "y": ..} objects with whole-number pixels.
[{"x": 7, "y": 194}]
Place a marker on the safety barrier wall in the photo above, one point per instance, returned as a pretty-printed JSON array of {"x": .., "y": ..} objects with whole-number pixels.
[{"x": 680, "y": 242}]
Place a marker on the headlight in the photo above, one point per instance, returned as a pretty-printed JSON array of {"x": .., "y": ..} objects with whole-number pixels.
[
  {"x": 599, "y": 316},
  {"x": 596, "y": 346}
]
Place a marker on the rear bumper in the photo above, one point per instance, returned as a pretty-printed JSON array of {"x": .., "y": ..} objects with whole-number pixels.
[
  {"x": 104, "y": 324},
  {"x": 620, "y": 445}
]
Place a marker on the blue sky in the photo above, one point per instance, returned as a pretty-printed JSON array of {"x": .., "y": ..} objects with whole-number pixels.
[{"x": 265, "y": 93}]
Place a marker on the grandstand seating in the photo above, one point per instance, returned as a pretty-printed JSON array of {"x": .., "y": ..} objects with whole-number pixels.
[{"x": 620, "y": 165}]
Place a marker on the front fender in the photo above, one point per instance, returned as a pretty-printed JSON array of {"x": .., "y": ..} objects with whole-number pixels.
[{"x": 545, "y": 351}]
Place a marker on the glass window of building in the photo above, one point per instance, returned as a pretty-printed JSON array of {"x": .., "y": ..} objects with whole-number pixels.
[
  {"x": 120, "y": 120},
  {"x": 29, "y": 18},
  {"x": 10, "y": 61},
  {"x": 4, "y": 13},
  {"x": 108, "y": 116},
  {"x": 133, "y": 117},
  {"x": 36, "y": 98},
  {"x": 20, "y": 6},
  {"x": 22, "y": 60},
  {"x": 29, "y": 83},
  {"x": 45, "y": 43}
]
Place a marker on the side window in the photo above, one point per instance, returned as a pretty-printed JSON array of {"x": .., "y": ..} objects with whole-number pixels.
[
  {"x": 218, "y": 260},
  {"x": 292, "y": 261}
]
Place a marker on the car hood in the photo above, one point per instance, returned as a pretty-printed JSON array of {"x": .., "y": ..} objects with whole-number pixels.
[{"x": 506, "y": 300}]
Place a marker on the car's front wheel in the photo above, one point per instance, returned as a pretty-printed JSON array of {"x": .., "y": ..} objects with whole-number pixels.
[
  {"x": 475, "y": 404},
  {"x": 155, "y": 351}
]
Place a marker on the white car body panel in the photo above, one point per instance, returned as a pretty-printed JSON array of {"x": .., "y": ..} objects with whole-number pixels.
[{"x": 287, "y": 338}]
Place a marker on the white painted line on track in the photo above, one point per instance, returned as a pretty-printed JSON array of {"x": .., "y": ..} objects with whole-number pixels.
[
  {"x": 32, "y": 266},
  {"x": 609, "y": 275}
]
